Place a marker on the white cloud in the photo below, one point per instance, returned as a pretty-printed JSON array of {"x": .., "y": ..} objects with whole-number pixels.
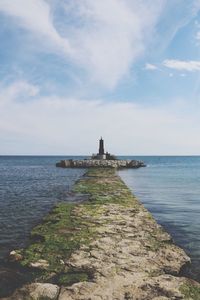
[
  {"x": 53, "y": 125},
  {"x": 150, "y": 67},
  {"x": 103, "y": 37},
  {"x": 181, "y": 65},
  {"x": 119, "y": 33},
  {"x": 35, "y": 15},
  {"x": 198, "y": 36},
  {"x": 18, "y": 90}
]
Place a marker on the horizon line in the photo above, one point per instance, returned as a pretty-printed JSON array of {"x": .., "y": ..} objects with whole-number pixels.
[{"x": 87, "y": 155}]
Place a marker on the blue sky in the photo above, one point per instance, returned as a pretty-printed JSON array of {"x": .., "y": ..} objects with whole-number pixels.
[{"x": 71, "y": 71}]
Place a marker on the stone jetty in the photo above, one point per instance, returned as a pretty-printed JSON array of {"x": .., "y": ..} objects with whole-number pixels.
[{"x": 108, "y": 247}]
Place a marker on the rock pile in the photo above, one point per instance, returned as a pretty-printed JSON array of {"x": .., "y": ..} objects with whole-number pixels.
[{"x": 92, "y": 163}]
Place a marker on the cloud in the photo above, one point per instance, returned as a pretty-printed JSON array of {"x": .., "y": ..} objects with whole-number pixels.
[
  {"x": 35, "y": 16},
  {"x": 150, "y": 67},
  {"x": 17, "y": 91},
  {"x": 197, "y": 27},
  {"x": 181, "y": 65},
  {"x": 198, "y": 36},
  {"x": 59, "y": 125},
  {"x": 103, "y": 38},
  {"x": 119, "y": 34}
]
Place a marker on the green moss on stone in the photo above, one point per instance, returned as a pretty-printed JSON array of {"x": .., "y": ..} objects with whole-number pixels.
[
  {"x": 60, "y": 234},
  {"x": 70, "y": 226},
  {"x": 72, "y": 277},
  {"x": 103, "y": 186},
  {"x": 190, "y": 291}
]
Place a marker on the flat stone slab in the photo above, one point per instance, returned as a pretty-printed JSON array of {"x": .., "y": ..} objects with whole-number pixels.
[{"x": 108, "y": 247}]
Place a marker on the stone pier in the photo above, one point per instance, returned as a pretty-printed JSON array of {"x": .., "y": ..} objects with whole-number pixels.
[{"x": 108, "y": 247}]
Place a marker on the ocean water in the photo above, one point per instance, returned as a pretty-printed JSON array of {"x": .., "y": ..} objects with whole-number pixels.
[
  {"x": 29, "y": 187},
  {"x": 169, "y": 187}
]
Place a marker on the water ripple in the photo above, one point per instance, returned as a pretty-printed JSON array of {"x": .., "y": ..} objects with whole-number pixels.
[{"x": 29, "y": 187}]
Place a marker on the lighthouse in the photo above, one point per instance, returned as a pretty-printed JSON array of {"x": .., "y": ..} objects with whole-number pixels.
[
  {"x": 101, "y": 154},
  {"x": 101, "y": 147}
]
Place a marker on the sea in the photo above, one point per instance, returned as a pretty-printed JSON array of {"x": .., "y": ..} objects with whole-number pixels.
[{"x": 169, "y": 187}]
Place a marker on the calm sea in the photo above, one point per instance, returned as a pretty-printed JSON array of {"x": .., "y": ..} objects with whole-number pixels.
[
  {"x": 29, "y": 187},
  {"x": 169, "y": 187}
]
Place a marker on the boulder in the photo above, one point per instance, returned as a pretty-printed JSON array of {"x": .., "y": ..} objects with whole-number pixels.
[
  {"x": 40, "y": 264},
  {"x": 36, "y": 291},
  {"x": 15, "y": 256}
]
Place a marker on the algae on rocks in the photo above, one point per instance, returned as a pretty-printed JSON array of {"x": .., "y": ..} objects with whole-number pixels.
[{"x": 107, "y": 247}]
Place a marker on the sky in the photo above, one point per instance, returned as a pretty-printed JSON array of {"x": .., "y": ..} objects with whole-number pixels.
[{"x": 72, "y": 71}]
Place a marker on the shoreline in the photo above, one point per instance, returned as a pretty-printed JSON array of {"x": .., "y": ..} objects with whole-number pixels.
[{"x": 114, "y": 248}]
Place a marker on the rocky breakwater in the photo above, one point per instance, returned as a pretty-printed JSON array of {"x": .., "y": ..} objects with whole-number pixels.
[
  {"x": 108, "y": 247},
  {"x": 94, "y": 163}
]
